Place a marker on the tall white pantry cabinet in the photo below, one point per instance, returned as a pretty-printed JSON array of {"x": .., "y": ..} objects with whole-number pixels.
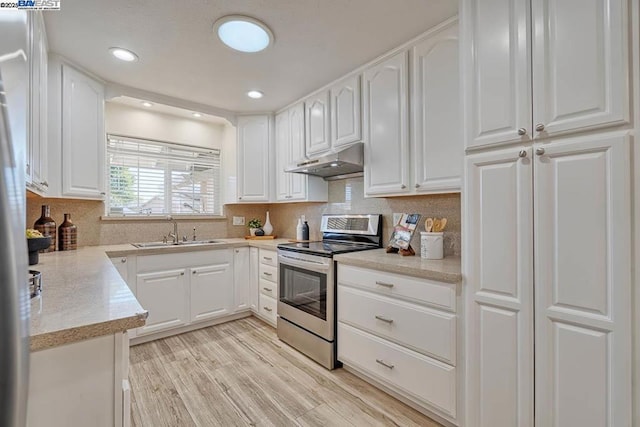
[{"x": 548, "y": 89}]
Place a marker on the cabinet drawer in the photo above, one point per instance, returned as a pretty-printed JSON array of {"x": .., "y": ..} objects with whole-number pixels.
[
  {"x": 268, "y": 272},
  {"x": 412, "y": 374},
  {"x": 268, "y": 308},
  {"x": 437, "y": 294},
  {"x": 425, "y": 330},
  {"x": 268, "y": 257},
  {"x": 269, "y": 289}
]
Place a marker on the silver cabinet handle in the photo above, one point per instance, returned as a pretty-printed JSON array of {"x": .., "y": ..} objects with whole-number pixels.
[
  {"x": 268, "y": 289},
  {"x": 103, "y": 193},
  {"x": 522, "y": 153},
  {"x": 385, "y": 364},
  {"x": 266, "y": 258},
  {"x": 194, "y": 272},
  {"x": 240, "y": 198},
  {"x": 44, "y": 183},
  {"x": 384, "y": 319},
  {"x": 123, "y": 260},
  {"x": 540, "y": 151},
  {"x": 403, "y": 186},
  {"x": 522, "y": 131},
  {"x": 539, "y": 127},
  {"x": 182, "y": 274},
  {"x": 417, "y": 185},
  {"x": 237, "y": 251},
  {"x": 387, "y": 285},
  {"x": 268, "y": 309},
  {"x": 267, "y": 274}
]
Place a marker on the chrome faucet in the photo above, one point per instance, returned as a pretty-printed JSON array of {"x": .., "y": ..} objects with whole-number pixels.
[{"x": 174, "y": 234}]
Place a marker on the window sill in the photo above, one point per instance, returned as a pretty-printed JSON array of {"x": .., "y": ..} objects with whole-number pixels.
[{"x": 163, "y": 218}]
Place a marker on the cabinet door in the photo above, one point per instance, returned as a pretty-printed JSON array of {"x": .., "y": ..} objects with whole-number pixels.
[
  {"x": 163, "y": 294},
  {"x": 254, "y": 280},
  {"x": 253, "y": 158},
  {"x": 437, "y": 141},
  {"x": 298, "y": 189},
  {"x": 583, "y": 282},
  {"x": 346, "y": 114},
  {"x": 83, "y": 137},
  {"x": 580, "y": 64},
  {"x": 211, "y": 291},
  {"x": 386, "y": 127},
  {"x": 283, "y": 154},
  {"x": 317, "y": 137},
  {"x": 496, "y": 71},
  {"x": 499, "y": 289},
  {"x": 241, "y": 279}
]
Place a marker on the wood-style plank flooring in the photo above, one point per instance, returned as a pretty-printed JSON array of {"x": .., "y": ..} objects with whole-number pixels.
[{"x": 240, "y": 374}]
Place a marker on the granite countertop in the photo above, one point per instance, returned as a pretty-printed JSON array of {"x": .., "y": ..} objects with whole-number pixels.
[
  {"x": 444, "y": 270},
  {"x": 85, "y": 297}
]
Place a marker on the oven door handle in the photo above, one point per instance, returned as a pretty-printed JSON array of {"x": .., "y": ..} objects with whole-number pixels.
[{"x": 307, "y": 265}]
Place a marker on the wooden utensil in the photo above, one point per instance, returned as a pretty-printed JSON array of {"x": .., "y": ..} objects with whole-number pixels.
[
  {"x": 428, "y": 225},
  {"x": 436, "y": 225},
  {"x": 443, "y": 224}
]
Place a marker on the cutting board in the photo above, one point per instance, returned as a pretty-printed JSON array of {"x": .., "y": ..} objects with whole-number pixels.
[{"x": 260, "y": 237}]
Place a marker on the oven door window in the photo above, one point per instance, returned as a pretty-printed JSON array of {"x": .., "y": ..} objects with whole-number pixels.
[{"x": 304, "y": 289}]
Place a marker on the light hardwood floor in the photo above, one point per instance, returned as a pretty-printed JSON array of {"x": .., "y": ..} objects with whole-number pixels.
[{"x": 240, "y": 374}]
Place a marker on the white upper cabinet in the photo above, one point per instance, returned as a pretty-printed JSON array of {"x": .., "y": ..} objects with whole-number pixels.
[
  {"x": 437, "y": 149},
  {"x": 538, "y": 68},
  {"x": 290, "y": 149},
  {"x": 318, "y": 130},
  {"x": 580, "y": 66},
  {"x": 386, "y": 126},
  {"x": 83, "y": 136},
  {"x": 496, "y": 71},
  {"x": 37, "y": 163},
  {"x": 254, "y": 158},
  {"x": 346, "y": 113}
]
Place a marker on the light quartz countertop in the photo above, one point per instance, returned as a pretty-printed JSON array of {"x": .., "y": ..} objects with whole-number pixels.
[
  {"x": 444, "y": 270},
  {"x": 84, "y": 296}
]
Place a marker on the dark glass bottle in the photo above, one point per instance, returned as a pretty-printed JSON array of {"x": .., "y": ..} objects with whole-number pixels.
[
  {"x": 305, "y": 231},
  {"x": 47, "y": 226},
  {"x": 67, "y": 235}
]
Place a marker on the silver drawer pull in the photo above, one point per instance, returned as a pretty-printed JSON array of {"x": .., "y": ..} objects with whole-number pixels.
[
  {"x": 268, "y": 309},
  {"x": 268, "y": 289},
  {"x": 384, "y": 319},
  {"x": 388, "y": 285},
  {"x": 267, "y": 274},
  {"x": 385, "y": 364},
  {"x": 266, "y": 258}
]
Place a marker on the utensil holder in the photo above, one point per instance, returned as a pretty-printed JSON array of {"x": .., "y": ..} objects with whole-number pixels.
[{"x": 431, "y": 245}]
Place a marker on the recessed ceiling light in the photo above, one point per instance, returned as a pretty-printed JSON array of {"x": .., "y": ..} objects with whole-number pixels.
[
  {"x": 123, "y": 54},
  {"x": 147, "y": 104},
  {"x": 197, "y": 115},
  {"x": 255, "y": 94},
  {"x": 243, "y": 33}
]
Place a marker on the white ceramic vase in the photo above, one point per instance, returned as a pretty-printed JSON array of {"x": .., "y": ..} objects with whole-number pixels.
[{"x": 268, "y": 228}]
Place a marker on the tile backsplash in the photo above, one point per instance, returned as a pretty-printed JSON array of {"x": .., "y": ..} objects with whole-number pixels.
[{"x": 345, "y": 196}]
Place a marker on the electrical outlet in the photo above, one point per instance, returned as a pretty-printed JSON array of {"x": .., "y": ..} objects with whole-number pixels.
[{"x": 238, "y": 220}]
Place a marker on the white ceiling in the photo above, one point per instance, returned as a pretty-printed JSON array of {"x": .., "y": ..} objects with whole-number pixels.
[{"x": 316, "y": 41}]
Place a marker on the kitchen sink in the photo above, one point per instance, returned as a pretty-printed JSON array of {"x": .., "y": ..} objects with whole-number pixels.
[{"x": 170, "y": 244}]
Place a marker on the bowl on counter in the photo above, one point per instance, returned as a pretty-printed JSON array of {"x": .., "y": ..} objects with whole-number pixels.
[{"x": 37, "y": 244}]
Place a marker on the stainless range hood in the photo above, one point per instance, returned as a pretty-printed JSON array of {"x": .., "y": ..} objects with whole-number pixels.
[{"x": 346, "y": 163}]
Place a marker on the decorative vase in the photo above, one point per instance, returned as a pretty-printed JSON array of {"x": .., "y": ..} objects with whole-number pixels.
[
  {"x": 68, "y": 235},
  {"x": 47, "y": 226},
  {"x": 267, "y": 227},
  {"x": 252, "y": 231},
  {"x": 259, "y": 232}
]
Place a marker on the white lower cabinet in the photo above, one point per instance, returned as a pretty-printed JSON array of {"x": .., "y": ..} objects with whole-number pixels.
[
  {"x": 254, "y": 282},
  {"x": 163, "y": 294},
  {"x": 212, "y": 288},
  {"x": 267, "y": 286},
  {"x": 241, "y": 279},
  {"x": 402, "y": 336}
]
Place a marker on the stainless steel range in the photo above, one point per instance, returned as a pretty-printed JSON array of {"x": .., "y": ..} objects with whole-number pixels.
[{"x": 307, "y": 297}]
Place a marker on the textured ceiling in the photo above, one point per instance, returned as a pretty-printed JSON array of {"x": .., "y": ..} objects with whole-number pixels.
[{"x": 316, "y": 41}]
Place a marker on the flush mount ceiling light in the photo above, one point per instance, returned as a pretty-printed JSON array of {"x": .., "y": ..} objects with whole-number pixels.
[
  {"x": 243, "y": 33},
  {"x": 197, "y": 115},
  {"x": 147, "y": 104},
  {"x": 255, "y": 94},
  {"x": 123, "y": 54}
]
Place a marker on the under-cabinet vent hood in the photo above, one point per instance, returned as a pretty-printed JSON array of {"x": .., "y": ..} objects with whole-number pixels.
[{"x": 346, "y": 163}]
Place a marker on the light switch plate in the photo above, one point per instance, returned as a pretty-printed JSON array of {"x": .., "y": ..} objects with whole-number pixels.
[{"x": 238, "y": 220}]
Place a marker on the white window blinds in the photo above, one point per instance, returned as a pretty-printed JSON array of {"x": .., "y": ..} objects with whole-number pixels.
[{"x": 158, "y": 178}]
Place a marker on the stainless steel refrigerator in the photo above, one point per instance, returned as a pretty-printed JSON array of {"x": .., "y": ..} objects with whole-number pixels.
[{"x": 14, "y": 301}]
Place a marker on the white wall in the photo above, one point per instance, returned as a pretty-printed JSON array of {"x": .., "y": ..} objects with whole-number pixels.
[{"x": 128, "y": 121}]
